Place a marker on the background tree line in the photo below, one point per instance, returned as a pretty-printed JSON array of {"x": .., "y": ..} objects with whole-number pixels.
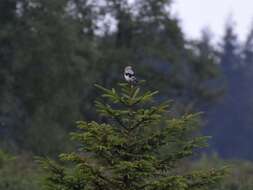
[{"x": 52, "y": 52}]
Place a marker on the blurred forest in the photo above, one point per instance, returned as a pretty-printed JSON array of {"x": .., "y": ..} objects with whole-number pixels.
[{"x": 52, "y": 52}]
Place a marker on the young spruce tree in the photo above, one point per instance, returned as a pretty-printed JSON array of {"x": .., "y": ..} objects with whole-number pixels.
[{"x": 137, "y": 148}]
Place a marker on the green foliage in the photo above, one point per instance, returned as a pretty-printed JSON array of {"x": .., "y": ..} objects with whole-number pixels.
[
  {"x": 127, "y": 152},
  {"x": 240, "y": 172},
  {"x": 17, "y": 173}
]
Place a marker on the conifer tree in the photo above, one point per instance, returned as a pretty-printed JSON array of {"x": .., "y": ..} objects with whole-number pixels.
[{"x": 138, "y": 147}]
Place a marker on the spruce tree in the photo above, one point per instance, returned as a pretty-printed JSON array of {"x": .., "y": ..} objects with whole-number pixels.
[{"x": 138, "y": 146}]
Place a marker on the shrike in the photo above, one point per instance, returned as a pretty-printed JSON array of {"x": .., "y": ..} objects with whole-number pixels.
[{"x": 129, "y": 75}]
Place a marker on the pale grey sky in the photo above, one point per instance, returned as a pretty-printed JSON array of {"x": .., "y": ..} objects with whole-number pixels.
[{"x": 196, "y": 14}]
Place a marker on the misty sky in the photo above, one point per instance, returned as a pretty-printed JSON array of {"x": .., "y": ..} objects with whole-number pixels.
[{"x": 196, "y": 14}]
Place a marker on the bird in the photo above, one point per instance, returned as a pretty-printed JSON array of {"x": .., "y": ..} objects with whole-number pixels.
[{"x": 129, "y": 75}]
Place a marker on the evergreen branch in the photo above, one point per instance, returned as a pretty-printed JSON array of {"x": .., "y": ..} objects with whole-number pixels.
[
  {"x": 195, "y": 180},
  {"x": 199, "y": 179},
  {"x": 111, "y": 94},
  {"x": 187, "y": 150},
  {"x": 148, "y": 117},
  {"x": 82, "y": 163},
  {"x": 171, "y": 182},
  {"x": 144, "y": 119},
  {"x": 107, "y": 109},
  {"x": 119, "y": 121}
]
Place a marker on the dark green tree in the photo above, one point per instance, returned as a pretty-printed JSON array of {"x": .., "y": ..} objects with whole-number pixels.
[
  {"x": 139, "y": 146},
  {"x": 50, "y": 64},
  {"x": 206, "y": 80},
  {"x": 230, "y": 58},
  {"x": 225, "y": 115},
  {"x": 17, "y": 173},
  {"x": 248, "y": 49},
  {"x": 247, "y": 79}
]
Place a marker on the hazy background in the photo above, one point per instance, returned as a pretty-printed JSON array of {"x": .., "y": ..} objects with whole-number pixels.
[{"x": 196, "y": 14}]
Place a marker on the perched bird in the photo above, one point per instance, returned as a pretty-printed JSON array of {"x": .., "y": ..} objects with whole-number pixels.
[{"x": 129, "y": 75}]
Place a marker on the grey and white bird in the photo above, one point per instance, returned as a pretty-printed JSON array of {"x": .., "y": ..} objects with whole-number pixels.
[{"x": 129, "y": 75}]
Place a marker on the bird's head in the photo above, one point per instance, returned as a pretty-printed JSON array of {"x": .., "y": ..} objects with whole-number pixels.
[{"x": 127, "y": 68}]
